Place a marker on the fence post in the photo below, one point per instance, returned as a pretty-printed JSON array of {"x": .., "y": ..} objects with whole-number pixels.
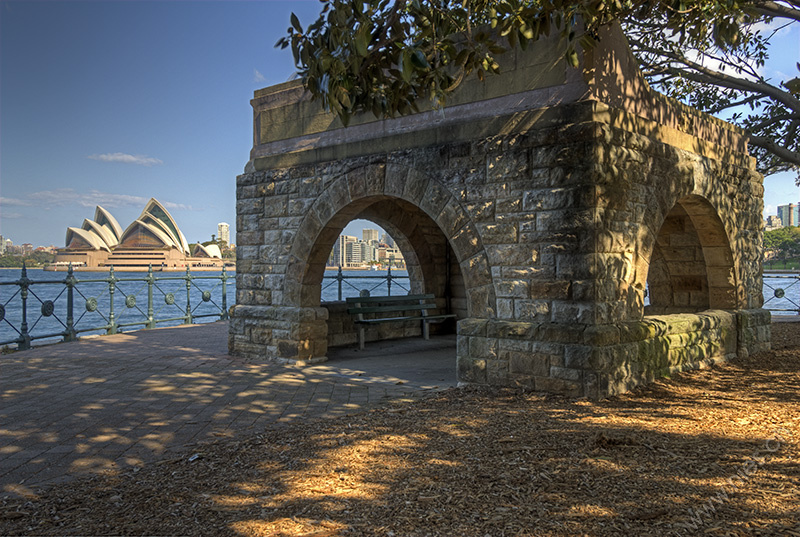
[
  {"x": 24, "y": 336},
  {"x": 151, "y": 323},
  {"x": 224, "y": 279},
  {"x": 112, "y": 284},
  {"x": 188, "y": 319},
  {"x": 389, "y": 278},
  {"x": 340, "y": 278},
  {"x": 69, "y": 333}
]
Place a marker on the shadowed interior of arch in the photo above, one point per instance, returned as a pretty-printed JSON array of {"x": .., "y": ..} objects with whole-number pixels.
[
  {"x": 431, "y": 264},
  {"x": 691, "y": 266}
]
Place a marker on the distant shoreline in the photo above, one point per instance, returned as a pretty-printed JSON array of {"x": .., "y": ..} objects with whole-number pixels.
[{"x": 359, "y": 268}]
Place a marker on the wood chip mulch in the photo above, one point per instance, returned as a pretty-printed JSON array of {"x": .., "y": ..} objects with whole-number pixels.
[{"x": 714, "y": 452}]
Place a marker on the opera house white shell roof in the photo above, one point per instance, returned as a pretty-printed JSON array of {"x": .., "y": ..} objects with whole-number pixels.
[
  {"x": 154, "y": 229},
  {"x": 212, "y": 250}
]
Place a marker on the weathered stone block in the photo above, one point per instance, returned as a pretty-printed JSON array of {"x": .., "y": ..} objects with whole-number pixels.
[
  {"x": 521, "y": 363},
  {"x": 532, "y": 310}
]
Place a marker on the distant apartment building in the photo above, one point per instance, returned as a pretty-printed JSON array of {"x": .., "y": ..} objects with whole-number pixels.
[
  {"x": 387, "y": 240},
  {"x": 391, "y": 256},
  {"x": 354, "y": 253},
  {"x": 789, "y": 214},
  {"x": 340, "y": 255},
  {"x": 772, "y": 222},
  {"x": 370, "y": 235},
  {"x": 224, "y": 232},
  {"x": 2, "y": 245},
  {"x": 349, "y": 252}
]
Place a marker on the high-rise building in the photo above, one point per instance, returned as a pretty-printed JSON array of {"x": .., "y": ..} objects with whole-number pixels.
[
  {"x": 772, "y": 222},
  {"x": 789, "y": 214},
  {"x": 354, "y": 253},
  {"x": 2, "y": 245},
  {"x": 387, "y": 240},
  {"x": 370, "y": 235},
  {"x": 340, "y": 250},
  {"x": 224, "y": 232}
]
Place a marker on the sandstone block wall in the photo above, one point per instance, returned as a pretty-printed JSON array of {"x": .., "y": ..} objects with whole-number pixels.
[{"x": 541, "y": 218}]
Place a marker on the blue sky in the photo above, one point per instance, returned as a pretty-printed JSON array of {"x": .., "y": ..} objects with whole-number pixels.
[{"x": 111, "y": 103}]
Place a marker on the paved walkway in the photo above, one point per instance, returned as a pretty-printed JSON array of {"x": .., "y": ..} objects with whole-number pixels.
[{"x": 101, "y": 404}]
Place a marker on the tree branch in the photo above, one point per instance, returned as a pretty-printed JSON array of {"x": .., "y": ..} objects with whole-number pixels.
[
  {"x": 704, "y": 75},
  {"x": 781, "y": 152},
  {"x": 773, "y": 120},
  {"x": 774, "y": 9}
]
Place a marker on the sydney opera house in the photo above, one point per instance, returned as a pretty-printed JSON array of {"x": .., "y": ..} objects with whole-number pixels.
[{"x": 153, "y": 239}]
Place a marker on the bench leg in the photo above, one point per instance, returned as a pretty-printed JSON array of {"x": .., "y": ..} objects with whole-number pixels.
[
  {"x": 425, "y": 330},
  {"x": 361, "y": 338}
]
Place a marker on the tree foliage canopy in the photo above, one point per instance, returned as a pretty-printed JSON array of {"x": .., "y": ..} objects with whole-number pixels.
[
  {"x": 387, "y": 56},
  {"x": 782, "y": 243}
]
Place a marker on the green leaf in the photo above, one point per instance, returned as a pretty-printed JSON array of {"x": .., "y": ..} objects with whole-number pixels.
[
  {"x": 406, "y": 69},
  {"x": 793, "y": 85},
  {"x": 361, "y": 41},
  {"x": 526, "y": 31},
  {"x": 296, "y": 23},
  {"x": 419, "y": 60},
  {"x": 572, "y": 57}
]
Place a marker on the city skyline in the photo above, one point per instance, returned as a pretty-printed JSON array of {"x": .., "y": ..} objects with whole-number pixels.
[{"x": 112, "y": 103}]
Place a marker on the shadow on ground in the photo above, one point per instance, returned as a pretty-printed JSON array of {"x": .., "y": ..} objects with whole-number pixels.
[{"x": 712, "y": 452}]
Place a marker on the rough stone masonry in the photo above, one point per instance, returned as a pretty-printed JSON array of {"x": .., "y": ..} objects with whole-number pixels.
[{"x": 590, "y": 234}]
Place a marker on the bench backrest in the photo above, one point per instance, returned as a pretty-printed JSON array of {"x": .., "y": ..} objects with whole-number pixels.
[{"x": 378, "y": 304}]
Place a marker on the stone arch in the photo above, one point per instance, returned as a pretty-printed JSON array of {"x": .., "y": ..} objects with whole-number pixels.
[
  {"x": 691, "y": 262},
  {"x": 426, "y": 218}
]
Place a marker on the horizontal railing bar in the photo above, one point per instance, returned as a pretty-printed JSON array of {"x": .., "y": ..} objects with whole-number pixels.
[
  {"x": 82, "y": 330},
  {"x": 122, "y": 325},
  {"x": 45, "y": 336},
  {"x": 183, "y": 318}
]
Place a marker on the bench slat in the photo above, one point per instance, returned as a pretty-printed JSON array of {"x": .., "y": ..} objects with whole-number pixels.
[
  {"x": 399, "y": 307},
  {"x": 415, "y": 318},
  {"x": 388, "y": 299}
]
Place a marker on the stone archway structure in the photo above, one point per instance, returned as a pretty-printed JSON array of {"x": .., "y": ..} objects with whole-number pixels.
[{"x": 542, "y": 206}]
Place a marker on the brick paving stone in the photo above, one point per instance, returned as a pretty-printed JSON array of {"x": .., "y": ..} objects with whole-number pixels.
[{"x": 99, "y": 404}]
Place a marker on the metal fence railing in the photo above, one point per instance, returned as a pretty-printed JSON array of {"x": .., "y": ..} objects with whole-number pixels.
[
  {"x": 342, "y": 280},
  {"x": 782, "y": 292},
  {"x": 63, "y": 308}
]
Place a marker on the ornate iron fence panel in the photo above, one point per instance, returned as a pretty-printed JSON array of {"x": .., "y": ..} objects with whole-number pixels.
[
  {"x": 64, "y": 308},
  {"x": 346, "y": 289},
  {"x": 782, "y": 292}
]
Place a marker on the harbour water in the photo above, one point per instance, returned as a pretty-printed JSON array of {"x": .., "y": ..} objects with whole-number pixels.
[
  {"x": 92, "y": 298},
  {"x": 169, "y": 302},
  {"x": 48, "y": 301}
]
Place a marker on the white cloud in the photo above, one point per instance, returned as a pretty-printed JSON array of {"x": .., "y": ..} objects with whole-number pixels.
[
  {"x": 258, "y": 77},
  {"x": 9, "y": 215},
  {"x": 125, "y": 158},
  {"x": 63, "y": 197},
  {"x": 14, "y": 202}
]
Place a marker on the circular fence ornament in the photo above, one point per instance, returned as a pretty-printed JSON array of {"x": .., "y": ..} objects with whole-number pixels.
[
  {"x": 2, "y": 312},
  {"x": 206, "y": 296},
  {"x": 169, "y": 299},
  {"x": 130, "y": 301},
  {"x": 779, "y": 293},
  {"x": 48, "y": 308},
  {"x": 91, "y": 304}
]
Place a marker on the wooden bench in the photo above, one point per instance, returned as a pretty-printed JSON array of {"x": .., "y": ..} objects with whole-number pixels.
[{"x": 358, "y": 306}]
